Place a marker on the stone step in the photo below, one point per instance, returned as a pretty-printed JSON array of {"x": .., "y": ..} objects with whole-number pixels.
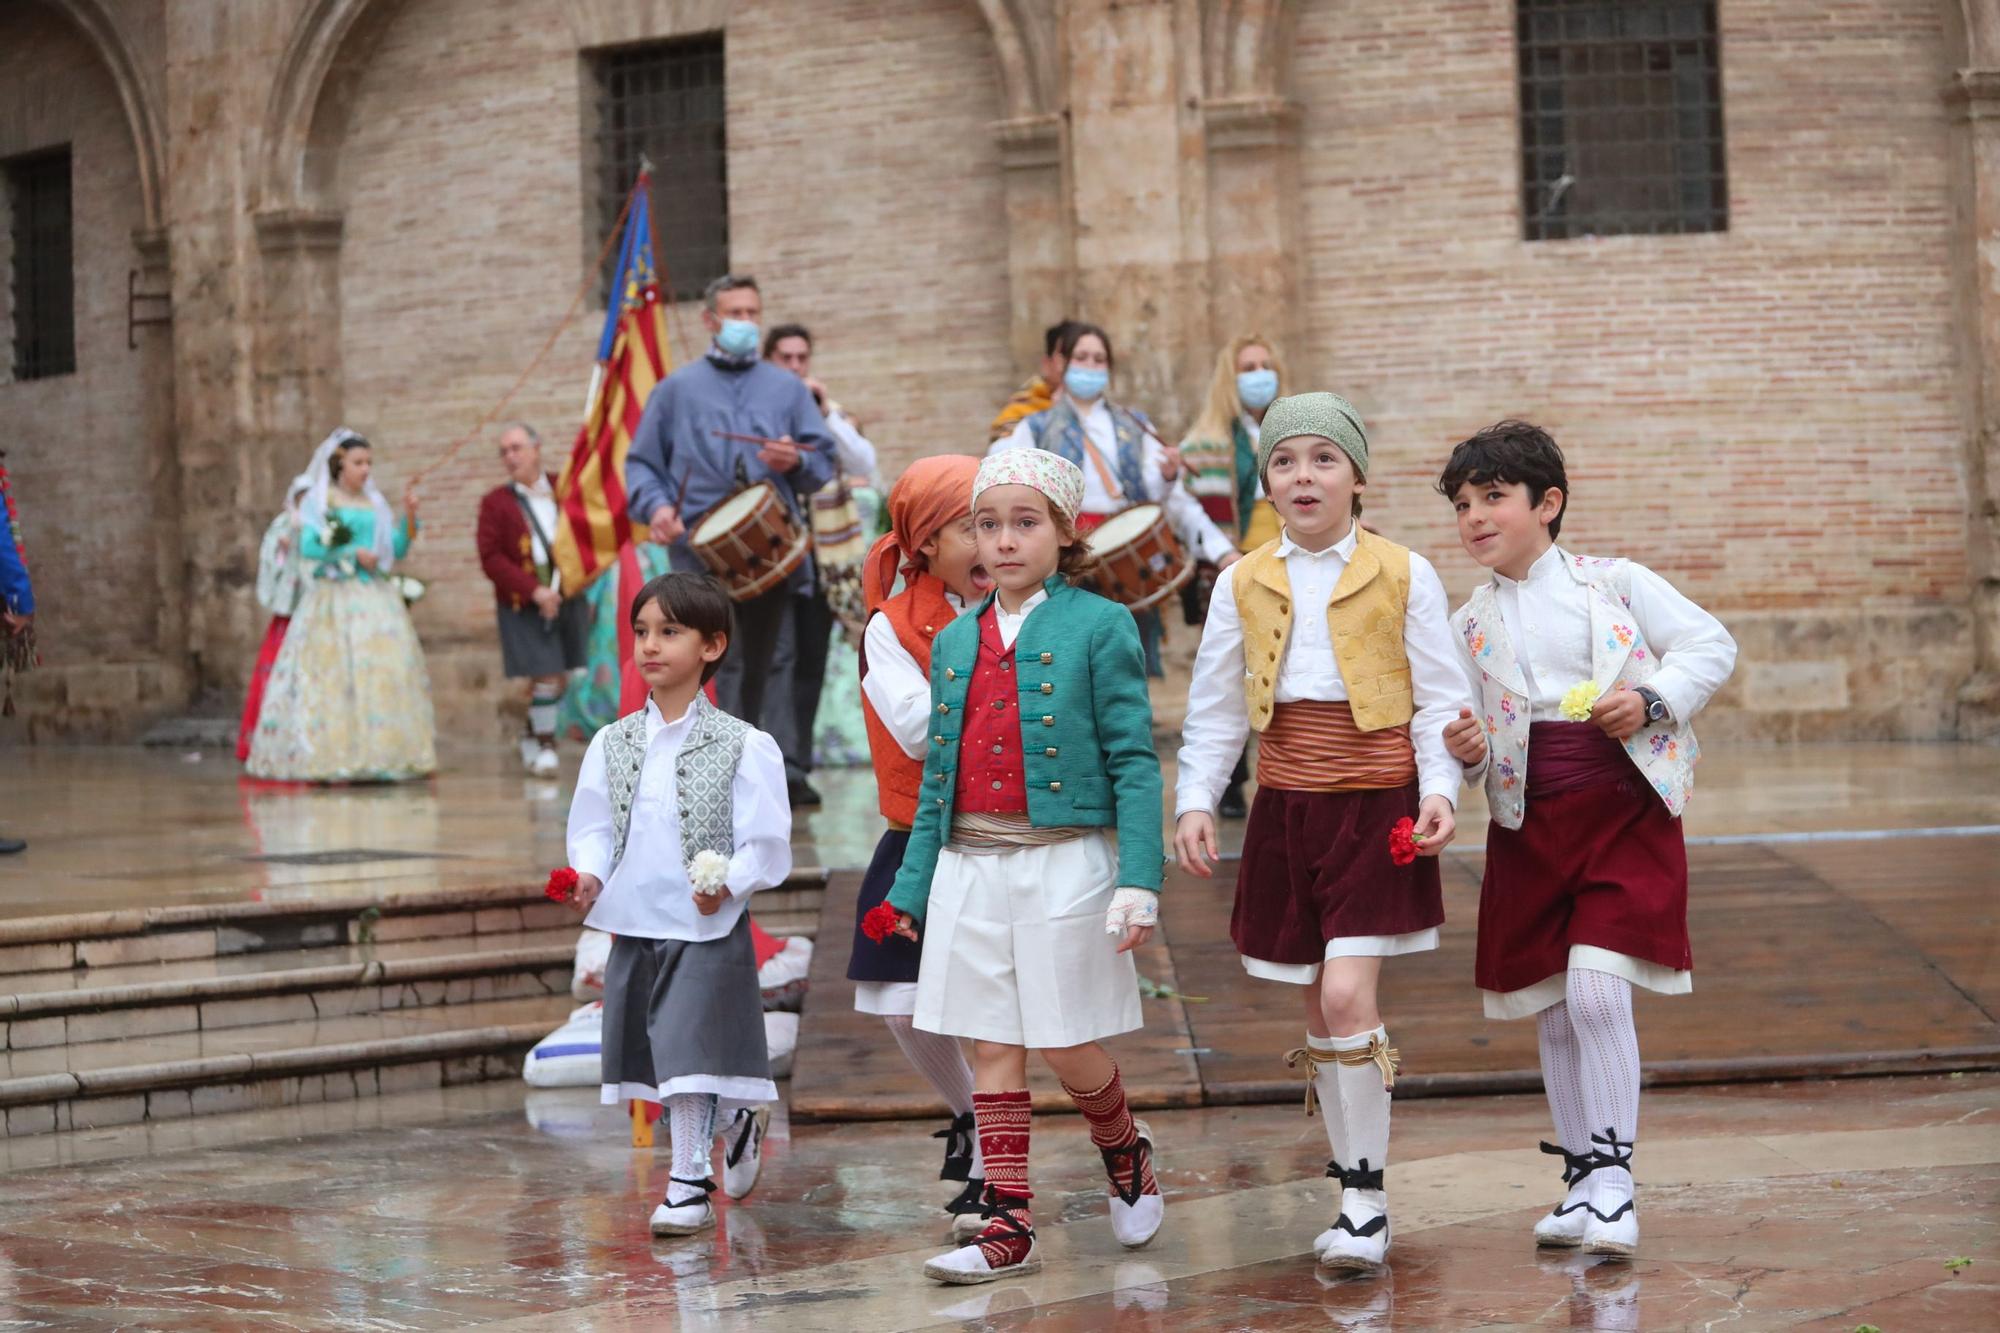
[
  {"x": 103, "y": 1083},
  {"x": 39, "y": 1019},
  {"x": 219, "y": 930}
]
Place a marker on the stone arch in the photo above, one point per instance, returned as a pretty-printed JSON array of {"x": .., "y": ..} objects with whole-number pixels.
[
  {"x": 305, "y": 117},
  {"x": 136, "y": 95},
  {"x": 1246, "y": 48}
]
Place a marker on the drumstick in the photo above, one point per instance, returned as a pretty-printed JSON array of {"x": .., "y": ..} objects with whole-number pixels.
[{"x": 754, "y": 439}]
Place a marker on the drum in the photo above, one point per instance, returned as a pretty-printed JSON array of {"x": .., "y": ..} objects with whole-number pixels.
[
  {"x": 1138, "y": 561},
  {"x": 750, "y": 542}
]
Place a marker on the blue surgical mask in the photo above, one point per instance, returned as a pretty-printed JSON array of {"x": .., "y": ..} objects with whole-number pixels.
[
  {"x": 738, "y": 337},
  {"x": 1086, "y": 383},
  {"x": 1257, "y": 388}
]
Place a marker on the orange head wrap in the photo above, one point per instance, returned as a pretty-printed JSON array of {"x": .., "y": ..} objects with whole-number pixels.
[{"x": 931, "y": 493}]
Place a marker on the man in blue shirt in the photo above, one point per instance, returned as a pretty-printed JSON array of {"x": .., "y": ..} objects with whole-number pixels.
[
  {"x": 680, "y": 467},
  {"x": 17, "y": 605}
]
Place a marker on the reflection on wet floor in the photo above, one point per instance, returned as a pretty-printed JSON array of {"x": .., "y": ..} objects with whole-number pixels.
[
  {"x": 1770, "y": 1206},
  {"x": 127, "y": 827}
]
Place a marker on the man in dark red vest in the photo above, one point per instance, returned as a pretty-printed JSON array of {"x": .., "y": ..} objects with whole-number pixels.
[{"x": 542, "y": 637}]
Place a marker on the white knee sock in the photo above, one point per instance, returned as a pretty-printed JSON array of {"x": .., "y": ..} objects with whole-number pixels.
[
  {"x": 542, "y": 701},
  {"x": 1600, "y": 1013},
  {"x": 1364, "y": 1110},
  {"x": 691, "y": 1123},
  {"x": 1562, "y": 1080},
  {"x": 1326, "y": 1083},
  {"x": 941, "y": 1060}
]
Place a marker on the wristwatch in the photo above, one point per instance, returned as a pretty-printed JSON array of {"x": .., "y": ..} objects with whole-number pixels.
[{"x": 1656, "y": 707}]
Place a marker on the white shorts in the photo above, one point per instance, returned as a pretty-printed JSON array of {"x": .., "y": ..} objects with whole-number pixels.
[{"x": 1015, "y": 949}]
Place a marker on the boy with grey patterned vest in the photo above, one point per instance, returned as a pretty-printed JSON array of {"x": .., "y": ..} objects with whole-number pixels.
[{"x": 681, "y": 814}]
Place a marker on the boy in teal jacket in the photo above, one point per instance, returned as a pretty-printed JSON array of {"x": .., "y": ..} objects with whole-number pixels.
[{"x": 1042, "y": 740}]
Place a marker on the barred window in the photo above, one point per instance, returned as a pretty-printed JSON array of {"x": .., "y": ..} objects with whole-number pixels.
[
  {"x": 1621, "y": 118},
  {"x": 663, "y": 101},
  {"x": 42, "y": 287}
]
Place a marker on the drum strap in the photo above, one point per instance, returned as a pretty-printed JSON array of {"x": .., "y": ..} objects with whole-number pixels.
[
  {"x": 534, "y": 525},
  {"x": 1104, "y": 473}
]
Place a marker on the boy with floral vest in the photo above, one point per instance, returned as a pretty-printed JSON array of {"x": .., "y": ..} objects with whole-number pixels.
[
  {"x": 680, "y": 814},
  {"x": 1594, "y": 668}
]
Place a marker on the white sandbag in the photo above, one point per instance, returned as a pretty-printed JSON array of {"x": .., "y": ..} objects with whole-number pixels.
[
  {"x": 781, "y": 1038},
  {"x": 593, "y": 951},
  {"x": 573, "y": 1055},
  {"x": 783, "y": 975}
]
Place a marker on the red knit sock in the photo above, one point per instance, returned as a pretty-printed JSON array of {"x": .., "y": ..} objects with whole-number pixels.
[
  {"x": 1111, "y": 1126},
  {"x": 1003, "y": 1143}
]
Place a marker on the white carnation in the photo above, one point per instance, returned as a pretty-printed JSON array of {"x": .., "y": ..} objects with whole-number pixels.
[{"x": 708, "y": 872}]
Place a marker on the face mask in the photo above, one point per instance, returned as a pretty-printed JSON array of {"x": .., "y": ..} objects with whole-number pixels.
[
  {"x": 1085, "y": 383},
  {"x": 738, "y": 337},
  {"x": 1257, "y": 388}
]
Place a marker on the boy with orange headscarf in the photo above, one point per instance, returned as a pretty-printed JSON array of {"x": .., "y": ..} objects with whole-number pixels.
[{"x": 930, "y": 545}]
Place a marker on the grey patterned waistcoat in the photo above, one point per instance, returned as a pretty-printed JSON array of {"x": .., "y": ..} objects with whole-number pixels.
[{"x": 705, "y": 768}]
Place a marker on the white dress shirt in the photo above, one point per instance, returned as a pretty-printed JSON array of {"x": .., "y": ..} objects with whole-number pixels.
[
  {"x": 1218, "y": 714},
  {"x": 897, "y": 687},
  {"x": 855, "y": 454},
  {"x": 1547, "y": 615},
  {"x": 647, "y": 894},
  {"x": 1009, "y": 622},
  {"x": 1190, "y": 522},
  {"x": 541, "y": 498}
]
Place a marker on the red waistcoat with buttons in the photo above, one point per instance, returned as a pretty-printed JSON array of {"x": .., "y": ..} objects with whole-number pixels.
[
  {"x": 991, "y": 779},
  {"x": 916, "y": 614}
]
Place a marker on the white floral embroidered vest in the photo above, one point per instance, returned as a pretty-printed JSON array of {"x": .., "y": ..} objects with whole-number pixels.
[
  {"x": 1665, "y": 753},
  {"x": 705, "y": 771}
]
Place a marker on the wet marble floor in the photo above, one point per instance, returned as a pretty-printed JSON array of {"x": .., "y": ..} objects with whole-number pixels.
[
  {"x": 1808, "y": 1205},
  {"x": 120, "y": 827}
]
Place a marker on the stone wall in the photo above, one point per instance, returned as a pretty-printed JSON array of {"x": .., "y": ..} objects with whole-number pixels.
[{"x": 371, "y": 211}]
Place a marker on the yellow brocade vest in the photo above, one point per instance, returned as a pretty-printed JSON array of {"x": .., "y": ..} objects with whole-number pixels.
[{"x": 1364, "y": 617}]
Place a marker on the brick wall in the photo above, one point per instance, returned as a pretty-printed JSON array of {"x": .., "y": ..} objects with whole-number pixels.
[
  {"x": 78, "y": 445},
  {"x": 1765, "y": 415},
  {"x": 865, "y": 196}
]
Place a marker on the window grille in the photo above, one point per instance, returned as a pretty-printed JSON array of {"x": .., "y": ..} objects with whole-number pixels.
[
  {"x": 664, "y": 102},
  {"x": 42, "y": 282},
  {"x": 1621, "y": 118}
]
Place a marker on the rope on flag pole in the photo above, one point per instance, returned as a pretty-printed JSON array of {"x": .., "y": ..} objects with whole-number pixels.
[{"x": 548, "y": 344}]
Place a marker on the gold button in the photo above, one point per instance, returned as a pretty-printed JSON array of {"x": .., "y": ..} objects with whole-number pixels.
[
  {"x": 940, "y": 800},
  {"x": 930, "y": 629},
  {"x": 1050, "y": 752},
  {"x": 940, "y": 777},
  {"x": 1047, "y": 688},
  {"x": 1048, "y": 658},
  {"x": 1055, "y": 786},
  {"x": 944, "y": 708},
  {"x": 1048, "y": 721},
  {"x": 938, "y": 739},
  {"x": 999, "y": 704},
  {"x": 996, "y": 749},
  {"x": 996, "y": 786},
  {"x": 950, "y": 674}
]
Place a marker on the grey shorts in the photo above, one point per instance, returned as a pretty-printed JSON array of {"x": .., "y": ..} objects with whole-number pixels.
[{"x": 685, "y": 1016}]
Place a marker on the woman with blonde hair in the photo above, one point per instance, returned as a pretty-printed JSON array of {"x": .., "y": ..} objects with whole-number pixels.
[{"x": 1220, "y": 450}]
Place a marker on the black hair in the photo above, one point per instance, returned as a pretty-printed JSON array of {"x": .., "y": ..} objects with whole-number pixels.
[
  {"x": 695, "y": 601},
  {"x": 1076, "y": 332},
  {"x": 1513, "y": 452},
  {"x": 780, "y": 332},
  {"x": 1052, "y": 336},
  {"x": 339, "y": 454}
]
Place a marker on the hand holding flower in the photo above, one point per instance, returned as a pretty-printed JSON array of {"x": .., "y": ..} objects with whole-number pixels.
[
  {"x": 1619, "y": 713},
  {"x": 1434, "y": 827},
  {"x": 1578, "y": 699},
  {"x": 709, "y": 873}
]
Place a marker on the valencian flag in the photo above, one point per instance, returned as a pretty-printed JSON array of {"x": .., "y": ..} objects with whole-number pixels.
[{"x": 596, "y": 534}]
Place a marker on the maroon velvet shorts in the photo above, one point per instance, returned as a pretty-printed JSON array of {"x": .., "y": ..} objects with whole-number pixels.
[
  {"x": 1597, "y": 862},
  {"x": 1316, "y": 867}
]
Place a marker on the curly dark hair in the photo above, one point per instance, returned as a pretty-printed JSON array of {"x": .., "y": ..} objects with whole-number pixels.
[
  {"x": 1510, "y": 451},
  {"x": 1077, "y": 559}
]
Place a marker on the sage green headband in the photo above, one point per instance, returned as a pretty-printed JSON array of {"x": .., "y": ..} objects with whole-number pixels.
[{"x": 1327, "y": 415}]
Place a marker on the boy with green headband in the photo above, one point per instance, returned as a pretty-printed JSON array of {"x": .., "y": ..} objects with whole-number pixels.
[{"x": 1333, "y": 645}]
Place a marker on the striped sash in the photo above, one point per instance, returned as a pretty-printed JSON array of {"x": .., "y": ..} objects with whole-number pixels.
[{"x": 1313, "y": 745}]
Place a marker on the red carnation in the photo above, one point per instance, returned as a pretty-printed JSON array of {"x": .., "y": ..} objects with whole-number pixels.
[
  {"x": 881, "y": 922},
  {"x": 1403, "y": 841},
  {"x": 562, "y": 885}
]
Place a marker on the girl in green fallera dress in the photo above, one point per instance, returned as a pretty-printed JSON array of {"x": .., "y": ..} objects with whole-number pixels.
[{"x": 349, "y": 699}]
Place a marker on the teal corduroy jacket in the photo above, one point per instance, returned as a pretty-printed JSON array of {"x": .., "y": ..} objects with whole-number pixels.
[{"x": 1086, "y": 734}]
